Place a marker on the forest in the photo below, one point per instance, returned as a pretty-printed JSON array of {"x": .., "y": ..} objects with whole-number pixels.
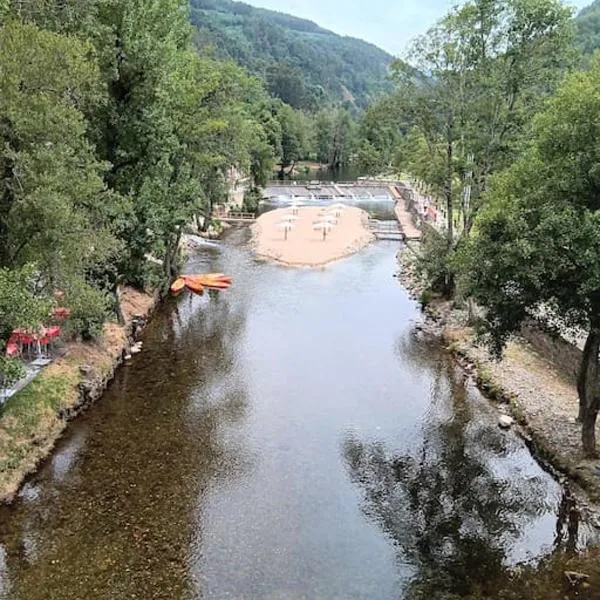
[
  {"x": 121, "y": 121},
  {"x": 303, "y": 65}
]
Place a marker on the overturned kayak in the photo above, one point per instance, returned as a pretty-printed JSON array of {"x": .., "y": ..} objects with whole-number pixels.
[{"x": 197, "y": 283}]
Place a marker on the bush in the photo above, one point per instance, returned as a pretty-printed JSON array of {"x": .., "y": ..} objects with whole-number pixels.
[
  {"x": 251, "y": 200},
  {"x": 89, "y": 310},
  {"x": 11, "y": 370},
  {"x": 434, "y": 263}
]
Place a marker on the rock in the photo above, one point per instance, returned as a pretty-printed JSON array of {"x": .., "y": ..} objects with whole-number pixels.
[
  {"x": 128, "y": 357},
  {"x": 85, "y": 370},
  {"x": 135, "y": 349},
  {"x": 505, "y": 422}
]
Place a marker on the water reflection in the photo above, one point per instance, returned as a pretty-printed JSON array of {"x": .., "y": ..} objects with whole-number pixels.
[
  {"x": 121, "y": 523},
  {"x": 212, "y": 468},
  {"x": 453, "y": 509}
]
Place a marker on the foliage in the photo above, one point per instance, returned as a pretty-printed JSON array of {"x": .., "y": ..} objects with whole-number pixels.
[
  {"x": 476, "y": 80},
  {"x": 303, "y": 63},
  {"x": 536, "y": 248},
  {"x": 434, "y": 262},
  {"x": 116, "y": 134},
  {"x": 89, "y": 309},
  {"x": 11, "y": 370},
  {"x": 21, "y": 304},
  {"x": 294, "y": 136},
  {"x": 334, "y": 137},
  {"x": 587, "y": 28},
  {"x": 52, "y": 189}
]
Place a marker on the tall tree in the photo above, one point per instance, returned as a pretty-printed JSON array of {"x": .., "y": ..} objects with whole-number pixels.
[
  {"x": 535, "y": 252},
  {"x": 54, "y": 209},
  {"x": 482, "y": 73}
]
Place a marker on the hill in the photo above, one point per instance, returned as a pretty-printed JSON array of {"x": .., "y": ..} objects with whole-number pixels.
[
  {"x": 302, "y": 63},
  {"x": 587, "y": 28}
]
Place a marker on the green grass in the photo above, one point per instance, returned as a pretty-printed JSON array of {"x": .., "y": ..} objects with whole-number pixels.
[{"x": 31, "y": 414}]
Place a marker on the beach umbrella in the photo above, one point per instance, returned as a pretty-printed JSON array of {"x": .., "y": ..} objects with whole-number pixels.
[
  {"x": 286, "y": 226},
  {"x": 294, "y": 206},
  {"x": 327, "y": 219},
  {"x": 336, "y": 209},
  {"x": 325, "y": 227}
]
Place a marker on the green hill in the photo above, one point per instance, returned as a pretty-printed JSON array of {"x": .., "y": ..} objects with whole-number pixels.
[
  {"x": 587, "y": 27},
  {"x": 302, "y": 63}
]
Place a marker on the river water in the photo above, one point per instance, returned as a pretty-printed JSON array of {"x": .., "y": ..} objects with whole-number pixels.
[{"x": 293, "y": 437}]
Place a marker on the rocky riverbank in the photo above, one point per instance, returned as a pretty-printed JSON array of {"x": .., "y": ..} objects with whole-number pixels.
[
  {"x": 34, "y": 418},
  {"x": 525, "y": 385}
]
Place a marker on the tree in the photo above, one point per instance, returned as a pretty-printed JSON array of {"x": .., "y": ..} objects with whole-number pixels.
[
  {"x": 293, "y": 137},
  {"x": 334, "y": 137},
  {"x": 55, "y": 211},
  {"x": 287, "y": 83},
  {"x": 382, "y": 134},
  {"x": 479, "y": 76},
  {"x": 535, "y": 252}
]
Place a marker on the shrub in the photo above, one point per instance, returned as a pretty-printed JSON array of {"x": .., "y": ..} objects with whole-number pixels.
[
  {"x": 89, "y": 310},
  {"x": 251, "y": 200},
  {"x": 434, "y": 263}
]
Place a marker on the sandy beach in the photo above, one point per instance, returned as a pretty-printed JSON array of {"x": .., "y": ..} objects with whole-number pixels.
[{"x": 305, "y": 246}]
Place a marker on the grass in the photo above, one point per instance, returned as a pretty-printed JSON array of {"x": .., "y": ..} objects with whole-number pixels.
[{"x": 29, "y": 419}]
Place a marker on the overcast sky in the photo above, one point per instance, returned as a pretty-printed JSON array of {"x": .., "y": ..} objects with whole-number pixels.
[{"x": 389, "y": 24}]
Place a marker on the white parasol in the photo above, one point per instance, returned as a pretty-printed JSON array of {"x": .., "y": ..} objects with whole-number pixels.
[
  {"x": 336, "y": 209},
  {"x": 286, "y": 226},
  {"x": 327, "y": 219},
  {"x": 325, "y": 226}
]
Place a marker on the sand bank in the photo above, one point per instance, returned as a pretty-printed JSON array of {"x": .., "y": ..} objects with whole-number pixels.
[{"x": 305, "y": 246}]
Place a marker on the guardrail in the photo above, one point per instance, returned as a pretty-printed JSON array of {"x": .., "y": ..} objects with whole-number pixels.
[
  {"x": 316, "y": 183},
  {"x": 235, "y": 216}
]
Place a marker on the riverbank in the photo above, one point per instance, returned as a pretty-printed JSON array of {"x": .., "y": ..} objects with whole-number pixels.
[
  {"x": 34, "y": 418},
  {"x": 525, "y": 385},
  {"x": 304, "y": 246}
]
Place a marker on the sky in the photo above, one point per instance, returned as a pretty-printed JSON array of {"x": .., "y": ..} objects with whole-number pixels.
[{"x": 390, "y": 24}]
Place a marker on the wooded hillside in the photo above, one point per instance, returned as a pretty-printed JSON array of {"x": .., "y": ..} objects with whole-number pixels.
[
  {"x": 302, "y": 63},
  {"x": 587, "y": 24}
]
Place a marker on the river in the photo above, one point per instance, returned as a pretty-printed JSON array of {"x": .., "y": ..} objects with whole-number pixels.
[{"x": 293, "y": 437}]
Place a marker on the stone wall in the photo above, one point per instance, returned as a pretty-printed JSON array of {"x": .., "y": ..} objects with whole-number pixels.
[{"x": 562, "y": 354}]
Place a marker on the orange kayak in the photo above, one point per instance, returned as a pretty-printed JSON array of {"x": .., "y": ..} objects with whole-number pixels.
[
  {"x": 178, "y": 285},
  {"x": 215, "y": 285},
  {"x": 195, "y": 287}
]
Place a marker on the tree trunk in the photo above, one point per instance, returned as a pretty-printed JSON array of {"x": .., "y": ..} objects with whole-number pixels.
[
  {"x": 118, "y": 308},
  {"x": 448, "y": 191},
  {"x": 588, "y": 391}
]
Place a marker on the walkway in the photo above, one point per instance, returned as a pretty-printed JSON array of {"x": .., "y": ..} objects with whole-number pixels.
[{"x": 407, "y": 224}]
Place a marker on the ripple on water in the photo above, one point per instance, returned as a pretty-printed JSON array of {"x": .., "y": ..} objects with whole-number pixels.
[{"x": 292, "y": 438}]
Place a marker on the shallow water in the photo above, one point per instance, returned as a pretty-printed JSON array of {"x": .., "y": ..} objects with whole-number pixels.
[{"x": 293, "y": 437}]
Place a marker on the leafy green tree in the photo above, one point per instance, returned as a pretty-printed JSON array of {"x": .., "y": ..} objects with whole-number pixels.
[
  {"x": 55, "y": 211},
  {"x": 481, "y": 74},
  {"x": 382, "y": 131},
  {"x": 293, "y": 137},
  {"x": 535, "y": 252},
  {"x": 287, "y": 83},
  {"x": 22, "y": 300},
  {"x": 334, "y": 131},
  {"x": 587, "y": 28}
]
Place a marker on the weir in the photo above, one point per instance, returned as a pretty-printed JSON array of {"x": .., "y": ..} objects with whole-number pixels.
[{"x": 315, "y": 192}]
